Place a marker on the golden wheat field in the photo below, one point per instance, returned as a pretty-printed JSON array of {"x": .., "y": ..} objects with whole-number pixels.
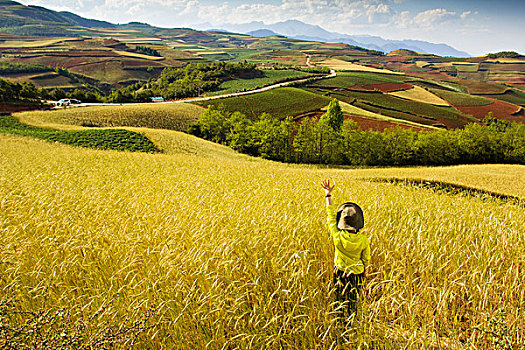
[
  {"x": 203, "y": 248},
  {"x": 172, "y": 116}
]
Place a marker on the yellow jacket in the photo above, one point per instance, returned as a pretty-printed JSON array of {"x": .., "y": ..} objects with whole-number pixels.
[{"x": 352, "y": 251}]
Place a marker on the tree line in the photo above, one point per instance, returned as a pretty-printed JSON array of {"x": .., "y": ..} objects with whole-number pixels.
[
  {"x": 14, "y": 92},
  {"x": 173, "y": 83},
  {"x": 7, "y": 67},
  {"x": 330, "y": 140},
  {"x": 147, "y": 50},
  {"x": 188, "y": 81}
]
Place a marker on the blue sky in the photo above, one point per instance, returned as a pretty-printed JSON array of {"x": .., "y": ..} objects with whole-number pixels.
[{"x": 474, "y": 26}]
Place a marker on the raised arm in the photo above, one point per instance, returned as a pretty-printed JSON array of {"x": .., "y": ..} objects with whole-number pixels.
[
  {"x": 328, "y": 191},
  {"x": 330, "y": 210}
]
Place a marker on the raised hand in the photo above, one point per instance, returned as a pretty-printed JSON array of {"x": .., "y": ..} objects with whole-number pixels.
[{"x": 326, "y": 186}]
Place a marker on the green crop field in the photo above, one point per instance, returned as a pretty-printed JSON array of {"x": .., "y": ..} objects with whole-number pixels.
[
  {"x": 461, "y": 99},
  {"x": 193, "y": 251},
  {"x": 387, "y": 112},
  {"x": 347, "y": 79},
  {"x": 270, "y": 76},
  {"x": 395, "y": 107},
  {"x": 173, "y": 116},
  {"x": 353, "y": 110},
  {"x": 512, "y": 95},
  {"x": 281, "y": 102},
  {"x": 392, "y": 102}
]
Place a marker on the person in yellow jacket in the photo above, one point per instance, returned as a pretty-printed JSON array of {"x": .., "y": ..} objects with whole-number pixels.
[{"x": 352, "y": 251}]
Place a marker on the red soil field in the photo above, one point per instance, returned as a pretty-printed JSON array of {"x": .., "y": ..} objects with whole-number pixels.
[
  {"x": 500, "y": 109},
  {"x": 383, "y": 87},
  {"x": 10, "y": 108},
  {"x": 378, "y": 125}
]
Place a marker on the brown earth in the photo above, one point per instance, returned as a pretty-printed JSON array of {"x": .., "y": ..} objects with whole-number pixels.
[
  {"x": 6, "y": 108},
  {"x": 378, "y": 125},
  {"x": 500, "y": 109}
]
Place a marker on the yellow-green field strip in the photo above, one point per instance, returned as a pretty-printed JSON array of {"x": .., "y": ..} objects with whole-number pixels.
[{"x": 353, "y": 110}]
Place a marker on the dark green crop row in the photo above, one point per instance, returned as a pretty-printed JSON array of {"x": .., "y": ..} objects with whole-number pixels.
[{"x": 114, "y": 139}]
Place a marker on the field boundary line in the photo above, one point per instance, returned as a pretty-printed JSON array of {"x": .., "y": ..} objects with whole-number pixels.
[{"x": 449, "y": 188}]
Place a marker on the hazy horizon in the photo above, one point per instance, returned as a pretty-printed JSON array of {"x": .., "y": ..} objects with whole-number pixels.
[{"x": 477, "y": 27}]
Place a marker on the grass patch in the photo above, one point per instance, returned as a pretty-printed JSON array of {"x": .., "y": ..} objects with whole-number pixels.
[
  {"x": 109, "y": 139},
  {"x": 172, "y": 116},
  {"x": 281, "y": 102}
]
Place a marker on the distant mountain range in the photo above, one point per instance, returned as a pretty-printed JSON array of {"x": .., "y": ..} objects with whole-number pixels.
[
  {"x": 20, "y": 19},
  {"x": 298, "y": 30}
]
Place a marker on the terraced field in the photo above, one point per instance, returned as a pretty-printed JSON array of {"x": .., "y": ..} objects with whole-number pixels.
[
  {"x": 499, "y": 109},
  {"x": 281, "y": 102},
  {"x": 346, "y": 79},
  {"x": 392, "y": 106},
  {"x": 348, "y": 66},
  {"x": 389, "y": 121},
  {"x": 418, "y": 94},
  {"x": 461, "y": 99},
  {"x": 512, "y": 96},
  {"x": 270, "y": 77}
]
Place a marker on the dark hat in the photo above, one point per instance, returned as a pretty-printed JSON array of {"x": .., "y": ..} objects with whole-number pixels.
[{"x": 350, "y": 217}]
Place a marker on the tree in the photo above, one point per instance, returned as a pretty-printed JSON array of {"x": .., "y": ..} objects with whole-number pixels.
[
  {"x": 58, "y": 94},
  {"x": 306, "y": 142},
  {"x": 240, "y": 134},
  {"x": 273, "y": 137},
  {"x": 334, "y": 115},
  {"x": 438, "y": 147},
  {"x": 215, "y": 124}
]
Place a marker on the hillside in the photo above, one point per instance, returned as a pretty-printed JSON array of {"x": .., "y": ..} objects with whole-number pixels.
[
  {"x": 149, "y": 258},
  {"x": 13, "y": 14},
  {"x": 403, "y": 86}
]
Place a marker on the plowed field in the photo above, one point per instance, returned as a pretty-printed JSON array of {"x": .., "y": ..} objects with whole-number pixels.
[
  {"x": 379, "y": 125},
  {"x": 500, "y": 109}
]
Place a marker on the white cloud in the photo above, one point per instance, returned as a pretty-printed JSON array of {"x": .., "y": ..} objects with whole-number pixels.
[
  {"x": 430, "y": 18},
  {"x": 465, "y": 14}
]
